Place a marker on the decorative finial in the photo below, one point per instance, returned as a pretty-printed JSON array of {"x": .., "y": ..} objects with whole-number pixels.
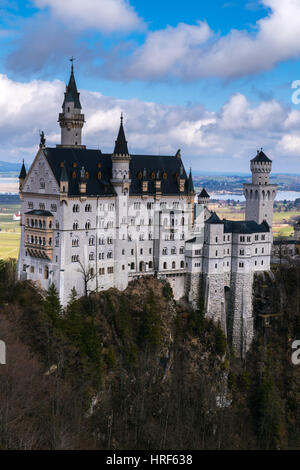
[
  {"x": 72, "y": 60},
  {"x": 43, "y": 139},
  {"x": 261, "y": 149},
  {"x": 121, "y": 117}
]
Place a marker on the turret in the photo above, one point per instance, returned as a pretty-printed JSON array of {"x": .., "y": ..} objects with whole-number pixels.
[
  {"x": 261, "y": 167},
  {"x": 22, "y": 176},
  {"x": 71, "y": 120},
  {"x": 120, "y": 159},
  {"x": 64, "y": 180},
  {"x": 203, "y": 197}
]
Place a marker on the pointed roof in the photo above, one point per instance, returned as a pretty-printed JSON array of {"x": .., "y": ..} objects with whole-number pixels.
[
  {"x": 190, "y": 183},
  {"x": 121, "y": 142},
  {"x": 63, "y": 175},
  {"x": 71, "y": 94},
  {"x": 204, "y": 194},
  {"x": 214, "y": 219},
  {"x": 261, "y": 157},
  {"x": 23, "y": 172}
]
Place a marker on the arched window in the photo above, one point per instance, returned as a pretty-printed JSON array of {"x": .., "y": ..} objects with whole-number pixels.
[
  {"x": 165, "y": 251},
  {"x": 182, "y": 264},
  {"x": 87, "y": 225},
  {"x": 42, "y": 183},
  {"x": 75, "y": 226},
  {"x": 150, "y": 265},
  {"x": 165, "y": 265},
  {"x": 173, "y": 265},
  {"x": 46, "y": 272}
]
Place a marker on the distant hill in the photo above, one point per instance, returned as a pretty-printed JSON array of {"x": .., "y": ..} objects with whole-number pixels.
[{"x": 8, "y": 167}]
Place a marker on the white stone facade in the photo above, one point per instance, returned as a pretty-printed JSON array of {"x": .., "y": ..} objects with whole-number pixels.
[{"x": 139, "y": 224}]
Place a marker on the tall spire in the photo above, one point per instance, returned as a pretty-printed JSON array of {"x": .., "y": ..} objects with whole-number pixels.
[
  {"x": 71, "y": 120},
  {"x": 71, "y": 94},
  {"x": 23, "y": 173},
  {"x": 121, "y": 142},
  {"x": 190, "y": 182}
]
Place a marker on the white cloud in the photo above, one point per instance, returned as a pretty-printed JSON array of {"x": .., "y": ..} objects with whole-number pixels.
[
  {"x": 103, "y": 15},
  {"x": 224, "y": 141},
  {"x": 190, "y": 52}
]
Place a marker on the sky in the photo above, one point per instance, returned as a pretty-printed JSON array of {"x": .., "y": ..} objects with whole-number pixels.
[{"x": 215, "y": 79}]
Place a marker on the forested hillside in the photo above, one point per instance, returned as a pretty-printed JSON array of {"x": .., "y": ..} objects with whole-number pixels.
[{"x": 136, "y": 370}]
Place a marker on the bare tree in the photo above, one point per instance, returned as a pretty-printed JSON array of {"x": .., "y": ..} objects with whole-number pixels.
[{"x": 88, "y": 274}]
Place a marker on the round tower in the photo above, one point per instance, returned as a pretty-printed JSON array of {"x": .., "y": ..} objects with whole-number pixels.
[{"x": 260, "y": 194}]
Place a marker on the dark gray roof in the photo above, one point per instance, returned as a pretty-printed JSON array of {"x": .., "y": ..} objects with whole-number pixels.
[
  {"x": 245, "y": 227},
  {"x": 95, "y": 161},
  {"x": 23, "y": 173},
  {"x": 39, "y": 212},
  {"x": 63, "y": 175},
  {"x": 214, "y": 219},
  {"x": 121, "y": 142},
  {"x": 261, "y": 157},
  {"x": 239, "y": 226},
  {"x": 204, "y": 193},
  {"x": 71, "y": 94}
]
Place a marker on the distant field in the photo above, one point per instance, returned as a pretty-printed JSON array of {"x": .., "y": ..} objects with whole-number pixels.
[{"x": 10, "y": 231}]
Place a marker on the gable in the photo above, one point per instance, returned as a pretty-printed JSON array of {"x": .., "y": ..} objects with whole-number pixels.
[{"x": 40, "y": 178}]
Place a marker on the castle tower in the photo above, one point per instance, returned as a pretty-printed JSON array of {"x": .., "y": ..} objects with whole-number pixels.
[
  {"x": 260, "y": 194},
  {"x": 121, "y": 183},
  {"x": 203, "y": 197},
  {"x": 71, "y": 120}
]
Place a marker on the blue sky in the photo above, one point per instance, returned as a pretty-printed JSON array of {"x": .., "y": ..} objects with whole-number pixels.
[{"x": 211, "y": 78}]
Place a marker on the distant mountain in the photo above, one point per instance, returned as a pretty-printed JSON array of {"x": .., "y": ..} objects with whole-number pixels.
[{"x": 9, "y": 167}]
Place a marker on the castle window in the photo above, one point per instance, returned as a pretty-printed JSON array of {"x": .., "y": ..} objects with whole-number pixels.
[
  {"x": 182, "y": 264},
  {"x": 173, "y": 265},
  {"x": 262, "y": 250},
  {"x": 242, "y": 239},
  {"x": 165, "y": 251},
  {"x": 32, "y": 269},
  {"x": 153, "y": 175},
  {"x": 262, "y": 262},
  {"x": 242, "y": 252},
  {"x": 181, "y": 251},
  {"x": 30, "y": 205},
  {"x": 150, "y": 265},
  {"x": 132, "y": 266},
  {"x": 110, "y": 270},
  {"x": 140, "y": 175},
  {"x": 42, "y": 183},
  {"x": 173, "y": 250},
  {"x": 101, "y": 256},
  {"x": 42, "y": 206},
  {"x": 165, "y": 265},
  {"x": 75, "y": 226},
  {"x": 216, "y": 266},
  {"x": 256, "y": 238},
  {"x": 50, "y": 224},
  {"x": 263, "y": 237},
  {"x": 75, "y": 258},
  {"x": 91, "y": 256},
  {"x": 76, "y": 208},
  {"x": 241, "y": 265},
  {"x": 99, "y": 165},
  {"x": 99, "y": 175},
  {"x": 109, "y": 241},
  {"x": 150, "y": 251},
  {"x": 164, "y": 175},
  {"x": 88, "y": 208},
  {"x": 75, "y": 241},
  {"x": 110, "y": 254},
  {"x": 74, "y": 165},
  {"x": 86, "y": 175},
  {"x": 182, "y": 221},
  {"x": 53, "y": 207},
  {"x": 101, "y": 271},
  {"x": 87, "y": 225},
  {"x": 216, "y": 253},
  {"x": 46, "y": 272},
  {"x": 248, "y": 239}
]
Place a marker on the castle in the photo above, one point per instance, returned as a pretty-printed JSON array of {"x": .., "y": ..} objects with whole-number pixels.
[{"x": 92, "y": 221}]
